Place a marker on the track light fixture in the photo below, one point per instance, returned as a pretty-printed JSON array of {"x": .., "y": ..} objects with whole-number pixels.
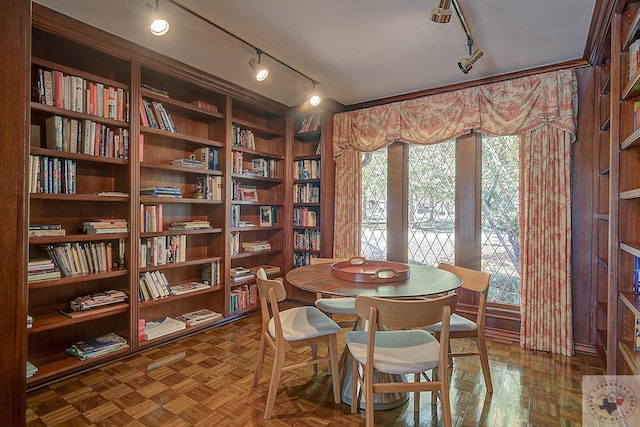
[
  {"x": 159, "y": 26},
  {"x": 255, "y": 64},
  {"x": 466, "y": 64},
  {"x": 261, "y": 71},
  {"x": 442, "y": 14},
  {"x": 315, "y": 98}
]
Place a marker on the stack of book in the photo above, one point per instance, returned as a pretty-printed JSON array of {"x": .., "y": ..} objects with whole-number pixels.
[
  {"x": 270, "y": 270},
  {"x": 185, "y": 288},
  {"x": 189, "y": 163},
  {"x": 98, "y": 346},
  {"x": 31, "y": 369},
  {"x": 196, "y": 224},
  {"x": 241, "y": 275},
  {"x": 42, "y": 269},
  {"x": 45, "y": 230},
  {"x": 153, "y": 285},
  {"x": 211, "y": 273},
  {"x": 105, "y": 226},
  {"x": 88, "y": 302},
  {"x": 198, "y": 317},
  {"x": 257, "y": 246},
  {"x": 171, "y": 192},
  {"x": 162, "y": 327}
]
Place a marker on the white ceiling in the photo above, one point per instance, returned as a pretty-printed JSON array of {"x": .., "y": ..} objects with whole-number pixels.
[{"x": 358, "y": 50}]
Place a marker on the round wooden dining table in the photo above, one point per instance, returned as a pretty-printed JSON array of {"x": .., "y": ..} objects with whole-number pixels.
[{"x": 423, "y": 281}]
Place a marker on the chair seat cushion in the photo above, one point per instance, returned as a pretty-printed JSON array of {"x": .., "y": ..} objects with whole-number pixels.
[
  {"x": 458, "y": 324},
  {"x": 397, "y": 352},
  {"x": 304, "y": 322},
  {"x": 337, "y": 305}
]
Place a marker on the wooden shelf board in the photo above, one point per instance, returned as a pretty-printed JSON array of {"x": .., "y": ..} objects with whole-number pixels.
[
  {"x": 604, "y": 171},
  {"x": 632, "y": 248},
  {"x": 630, "y": 194},
  {"x": 180, "y": 169},
  {"x": 255, "y": 254},
  {"x": 631, "y": 356},
  {"x": 58, "y": 320},
  {"x": 176, "y": 232},
  {"x": 631, "y": 301},
  {"x": 257, "y": 153},
  {"x": 604, "y": 262},
  {"x": 308, "y": 157},
  {"x": 602, "y": 216},
  {"x": 183, "y": 107},
  {"x": 79, "y": 278},
  {"x": 632, "y": 141},
  {"x": 181, "y": 137},
  {"x": 75, "y": 72},
  {"x": 257, "y": 228},
  {"x": 179, "y": 264},
  {"x": 186, "y": 200},
  {"x": 264, "y": 131},
  {"x": 247, "y": 177},
  {"x": 78, "y": 197},
  {"x": 77, "y": 156},
  {"x": 172, "y": 298}
]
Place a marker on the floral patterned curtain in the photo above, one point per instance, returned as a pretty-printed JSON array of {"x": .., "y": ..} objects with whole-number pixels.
[{"x": 542, "y": 110}]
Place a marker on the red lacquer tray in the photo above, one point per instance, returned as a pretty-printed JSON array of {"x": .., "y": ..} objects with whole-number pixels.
[{"x": 360, "y": 270}]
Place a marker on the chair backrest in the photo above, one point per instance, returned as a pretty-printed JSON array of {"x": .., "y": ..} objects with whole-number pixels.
[
  {"x": 473, "y": 280},
  {"x": 405, "y": 313},
  {"x": 271, "y": 292},
  {"x": 261, "y": 273}
]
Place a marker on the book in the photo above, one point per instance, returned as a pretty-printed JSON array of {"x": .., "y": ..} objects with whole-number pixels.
[
  {"x": 239, "y": 271},
  {"x": 92, "y": 311},
  {"x": 31, "y": 369},
  {"x": 199, "y": 316},
  {"x": 185, "y": 288},
  {"x": 162, "y": 327},
  {"x": 97, "y": 346}
]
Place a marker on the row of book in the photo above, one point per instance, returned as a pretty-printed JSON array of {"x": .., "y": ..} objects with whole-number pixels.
[
  {"x": 306, "y": 193},
  {"x": 256, "y": 246},
  {"x": 160, "y": 250},
  {"x": 97, "y": 346},
  {"x": 195, "y": 224},
  {"x": 264, "y": 167},
  {"x": 306, "y": 169},
  {"x": 211, "y": 273},
  {"x": 242, "y": 137},
  {"x": 209, "y": 157},
  {"x": 300, "y": 259},
  {"x": 86, "y": 137},
  {"x": 209, "y": 187},
  {"x": 243, "y": 297},
  {"x": 188, "y": 163},
  {"x": 154, "y": 115},
  {"x": 151, "y": 218},
  {"x": 305, "y": 216},
  {"x": 306, "y": 240},
  {"x": 52, "y": 175},
  {"x": 268, "y": 217},
  {"x": 310, "y": 124},
  {"x": 73, "y": 93},
  {"x": 78, "y": 258}
]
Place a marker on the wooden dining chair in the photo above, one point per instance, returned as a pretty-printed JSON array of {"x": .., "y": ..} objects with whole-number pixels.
[
  {"x": 334, "y": 305},
  {"x": 291, "y": 329},
  {"x": 461, "y": 327},
  {"x": 390, "y": 346}
]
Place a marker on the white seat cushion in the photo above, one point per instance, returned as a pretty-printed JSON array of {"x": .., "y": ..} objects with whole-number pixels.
[
  {"x": 337, "y": 305},
  {"x": 458, "y": 324},
  {"x": 304, "y": 322},
  {"x": 397, "y": 352}
]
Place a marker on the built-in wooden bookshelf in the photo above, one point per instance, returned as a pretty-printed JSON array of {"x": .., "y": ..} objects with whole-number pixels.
[
  {"x": 170, "y": 133},
  {"x": 624, "y": 194}
]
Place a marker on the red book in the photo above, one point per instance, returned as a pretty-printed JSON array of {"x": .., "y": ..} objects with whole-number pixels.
[
  {"x": 58, "y": 89},
  {"x": 143, "y": 116}
]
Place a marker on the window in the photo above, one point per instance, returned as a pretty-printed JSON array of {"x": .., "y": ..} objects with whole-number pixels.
[
  {"x": 500, "y": 247},
  {"x": 423, "y": 228}
]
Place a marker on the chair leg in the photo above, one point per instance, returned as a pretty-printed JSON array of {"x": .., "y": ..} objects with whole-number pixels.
[
  {"x": 314, "y": 355},
  {"x": 333, "y": 354},
  {"x": 368, "y": 386},
  {"x": 434, "y": 395},
  {"x": 484, "y": 361},
  {"x": 276, "y": 372},
  {"x": 444, "y": 398},
  {"x": 260, "y": 361},
  {"x": 416, "y": 394},
  {"x": 355, "y": 380}
]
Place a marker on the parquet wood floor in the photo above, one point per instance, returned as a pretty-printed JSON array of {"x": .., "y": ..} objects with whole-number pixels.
[{"x": 206, "y": 380}]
